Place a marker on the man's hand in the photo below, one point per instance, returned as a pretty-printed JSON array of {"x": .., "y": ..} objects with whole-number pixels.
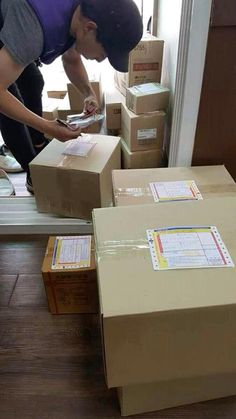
[
  {"x": 61, "y": 133},
  {"x": 90, "y": 105}
]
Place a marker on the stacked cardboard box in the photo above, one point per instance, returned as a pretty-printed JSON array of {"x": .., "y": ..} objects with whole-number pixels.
[
  {"x": 72, "y": 185},
  {"x": 145, "y": 64},
  {"x": 143, "y": 116},
  {"x": 149, "y": 97},
  {"x": 144, "y": 134},
  {"x": 168, "y": 337},
  {"x": 113, "y": 101}
]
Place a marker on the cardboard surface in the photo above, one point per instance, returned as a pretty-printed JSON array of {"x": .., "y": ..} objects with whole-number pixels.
[
  {"x": 212, "y": 181},
  {"x": 164, "y": 325},
  {"x": 70, "y": 290},
  {"x": 113, "y": 101},
  {"x": 148, "y": 97},
  {"x": 142, "y": 132},
  {"x": 165, "y": 394},
  {"x": 72, "y": 185},
  {"x": 139, "y": 159},
  {"x": 145, "y": 64}
]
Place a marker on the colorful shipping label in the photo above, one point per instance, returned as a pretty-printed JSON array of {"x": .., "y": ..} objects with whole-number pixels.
[
  {"x": 188, "y": 247},
  {"x": 72, "y": 252}
]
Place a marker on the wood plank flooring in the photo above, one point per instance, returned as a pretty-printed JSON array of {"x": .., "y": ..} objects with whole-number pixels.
[{"x": 51, "y": 366}]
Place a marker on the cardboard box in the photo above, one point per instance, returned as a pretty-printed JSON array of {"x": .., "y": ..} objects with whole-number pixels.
[
  {"x": 57, "y": 94},
  {"x": 148, "y": 97},
  {"x": 73, "y": 185},
  {"x": 77, "y": 99},
  {"x": 212, "y": 181},
  {"x": 113, "y": 101},
  {"x": 165, "y": 394},
  {"x": 70, "y": 290},
  {"x": 139, "y": 159},
  {"x": 164, "y": 325},
  {"x": 145, "y": 64},
  {"x": 142, "y": 132}
]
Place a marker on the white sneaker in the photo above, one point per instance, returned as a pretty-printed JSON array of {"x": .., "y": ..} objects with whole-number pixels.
[
  {"x": 6, "y": 187},
  {"x": 9, "y": 164}
]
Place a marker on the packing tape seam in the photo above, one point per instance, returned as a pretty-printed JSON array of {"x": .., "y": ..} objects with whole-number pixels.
[
  {"x": 140, "y": 192},
  {"x": 133, "y": 192},
  {"x": 112, "y": 247}
]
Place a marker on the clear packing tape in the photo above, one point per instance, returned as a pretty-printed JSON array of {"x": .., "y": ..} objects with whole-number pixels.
[
  {"x": 225, "y": 190},
  {"x": 113, "y": 248}
]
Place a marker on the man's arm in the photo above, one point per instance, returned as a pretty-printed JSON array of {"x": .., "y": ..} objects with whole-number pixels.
[
  {"x": 14, "y": 109},
  {"x": 77, "y": 74}
]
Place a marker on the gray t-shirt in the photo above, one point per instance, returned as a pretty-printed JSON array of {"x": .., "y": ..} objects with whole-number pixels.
[{"x": 21, "y": 34}]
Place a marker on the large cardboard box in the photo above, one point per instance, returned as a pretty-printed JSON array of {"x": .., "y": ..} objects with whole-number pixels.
[
  {"x": 77, "y": 99},
  {"x": 73, "y": 185},
  {"x": 145, "y": 64},
  {"x": 164, "y": 394},
  {"x": 132, "y": 187},
  {"x": 140, "y": 159},
  {"x": 113, "y": 101},
  {"x": 164, "y": 325},
  {"x": 148, "y": 97},
  {"x": 70, "y": 290},
  {"x": 142, "y": 132}
]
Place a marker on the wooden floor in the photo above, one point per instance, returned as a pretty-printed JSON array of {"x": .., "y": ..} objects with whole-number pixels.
[{"x": 51, "y": 366}]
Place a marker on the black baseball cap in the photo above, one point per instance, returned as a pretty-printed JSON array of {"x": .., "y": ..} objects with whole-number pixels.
[{"x": 119, "y": 28}]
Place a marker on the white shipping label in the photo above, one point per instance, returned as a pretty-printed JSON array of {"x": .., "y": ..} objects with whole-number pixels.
[{"x": 147, "y": 134}]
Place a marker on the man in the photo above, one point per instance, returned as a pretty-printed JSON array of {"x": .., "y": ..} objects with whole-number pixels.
[{"x": 46, "y": 29}]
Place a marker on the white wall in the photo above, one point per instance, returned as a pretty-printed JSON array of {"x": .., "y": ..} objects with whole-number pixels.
[
  {"x": 168, "y": 29},
  {"x": 192, "y": 50}
]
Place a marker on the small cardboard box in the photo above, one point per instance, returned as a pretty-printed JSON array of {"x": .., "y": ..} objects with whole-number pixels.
[
  {"x": 70, "y": 290},
  {"x": 140, "y": 159},
  {"x": 164, "y": 325},
  {"x": 142, "y": 132},
  {"x": 73, "y": 185},
  {"x": 165, "y": 394},
  {"x": 145, "y": 64},
  {"x": 113, "y": 101},
  {"x": 148, "y": 97},
  {"x": 77, "y": 99},
  {"x": 212, "y": 181}
]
